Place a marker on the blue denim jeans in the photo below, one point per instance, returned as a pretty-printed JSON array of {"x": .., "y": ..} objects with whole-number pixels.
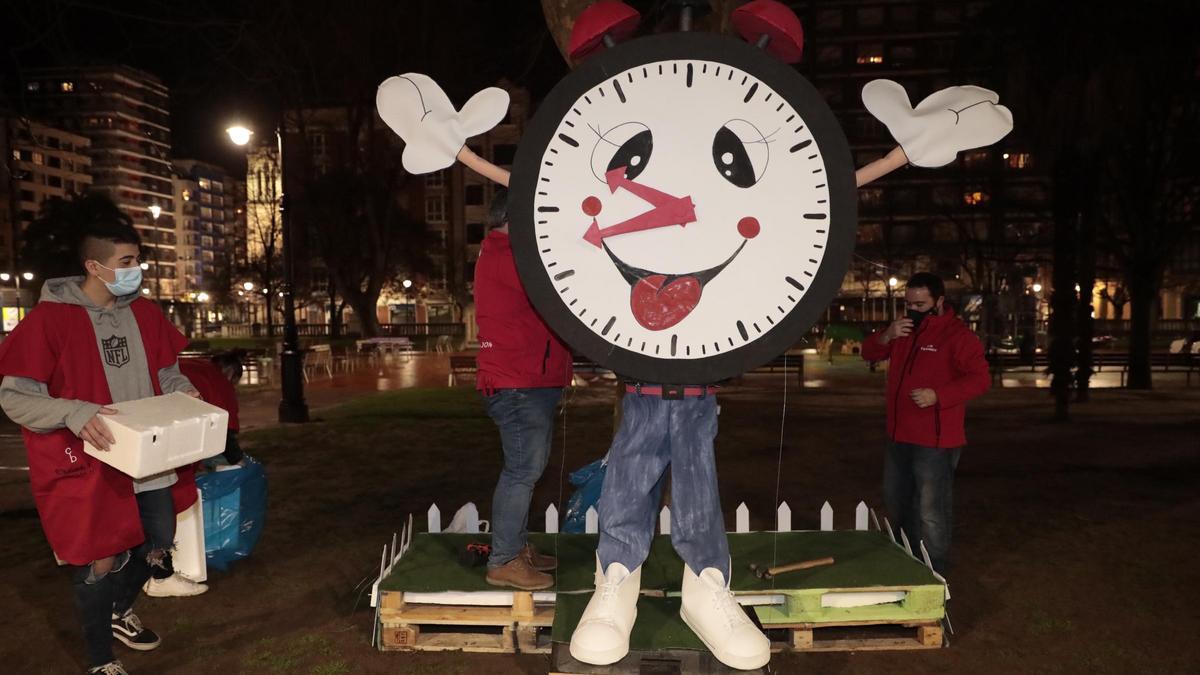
[
  {"x": 525, "y": 418},
  {"x": 656, "y": 432},
  {"x": 157, "y": 509},
  {"x": 918, "y": 490}
]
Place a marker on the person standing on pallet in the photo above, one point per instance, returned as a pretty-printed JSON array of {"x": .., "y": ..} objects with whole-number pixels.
[
  {"x": 91, "y": 343},
  {"x": 523, "y": 368},
  {"x": 936, "y": 365}
]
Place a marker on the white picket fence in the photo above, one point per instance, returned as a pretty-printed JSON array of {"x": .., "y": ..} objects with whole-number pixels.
[{"x": 466, "y": 520}]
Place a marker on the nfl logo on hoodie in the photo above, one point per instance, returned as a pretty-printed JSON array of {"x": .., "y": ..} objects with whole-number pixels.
[{"x": 116, "y": 350}]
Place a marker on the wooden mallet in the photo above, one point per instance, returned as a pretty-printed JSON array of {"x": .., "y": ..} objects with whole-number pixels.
[{"x": 793, "y": 567}]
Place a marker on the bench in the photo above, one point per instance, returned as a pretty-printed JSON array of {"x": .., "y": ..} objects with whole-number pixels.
[
  {"x": 785, "y": 363},
  {"x": 461, "y": 366},
  {"x": 1119, "y": 361}
]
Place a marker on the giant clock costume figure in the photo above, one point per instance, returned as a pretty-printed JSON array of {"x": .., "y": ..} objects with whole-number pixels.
[
  {"x": 693, "y": 208},
  {"x": 682, "y": 209}
]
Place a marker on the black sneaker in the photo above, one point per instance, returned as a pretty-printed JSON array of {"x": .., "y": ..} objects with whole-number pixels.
[
  {"x": 110, "y": 668},
  {"x": 128, "y": 628}
]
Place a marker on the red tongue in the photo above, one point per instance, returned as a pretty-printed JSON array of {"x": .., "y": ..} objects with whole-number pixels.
[{"x": 657, "y": 307}]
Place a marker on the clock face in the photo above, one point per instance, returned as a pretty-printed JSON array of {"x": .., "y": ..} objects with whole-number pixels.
[{"x": 682, "y": 208}]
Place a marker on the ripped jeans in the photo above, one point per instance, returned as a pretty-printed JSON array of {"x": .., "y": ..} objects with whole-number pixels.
[{"x": 99, "y": 596}]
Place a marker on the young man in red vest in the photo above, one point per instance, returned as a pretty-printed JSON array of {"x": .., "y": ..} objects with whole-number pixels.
[
  {"x": 91, "y": 343},
  {"x": 523, "y": 368},
  {"x": 936, "y": 366}
]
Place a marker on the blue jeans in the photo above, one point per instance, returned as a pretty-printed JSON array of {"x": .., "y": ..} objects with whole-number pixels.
[
  {"x": 157, "y": 509},
  {"x": 525, "y": 418},
  {"x": 656, "y": 432},
  {"x": 918, "y": 490}
]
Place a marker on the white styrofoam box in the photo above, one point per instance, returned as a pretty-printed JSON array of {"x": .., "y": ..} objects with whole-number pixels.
[
  {"x": 161, "y": 433},
  {"x": 188, "y": 556}
]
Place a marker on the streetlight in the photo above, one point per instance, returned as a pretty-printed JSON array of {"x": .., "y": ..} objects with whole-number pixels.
[
  {"x": 16, "y": 279},
  {"x": 292, "y": 406},
  {"x": 155, "y": 212},
  {"x": 249, "y": 285},
  {"x": 1037, "y": 288},
  {"x": 892, "y": 283}
]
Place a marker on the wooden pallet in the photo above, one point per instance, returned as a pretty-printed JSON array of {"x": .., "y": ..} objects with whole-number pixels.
[
  {"x": 855, "y": 636},
  {"x": 523, "y": 626}
]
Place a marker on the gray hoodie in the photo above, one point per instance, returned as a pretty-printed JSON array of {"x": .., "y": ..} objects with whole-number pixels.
[{"x": 28, "y": 403}]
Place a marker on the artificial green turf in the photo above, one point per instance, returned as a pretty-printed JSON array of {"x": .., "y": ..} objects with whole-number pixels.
[
  {"x": 658, "y": 625},
  {"x": 863, "y": 559}
]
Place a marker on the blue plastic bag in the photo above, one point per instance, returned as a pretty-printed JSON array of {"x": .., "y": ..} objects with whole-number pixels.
[
  {"x": 587, "y": 480},
  {"x": 235, "y": 506}
]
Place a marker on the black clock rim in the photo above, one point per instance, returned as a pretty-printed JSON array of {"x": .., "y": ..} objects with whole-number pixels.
[{"x": 843, "y": 203}]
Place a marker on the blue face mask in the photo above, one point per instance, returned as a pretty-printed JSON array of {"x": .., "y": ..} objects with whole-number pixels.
[{"x": 128, "y": 280}]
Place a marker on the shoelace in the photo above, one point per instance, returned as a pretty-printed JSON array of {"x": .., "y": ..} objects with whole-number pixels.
[
  {"x": 608, "y": 590},
  {"x": 132, "y": 621},
  {"x": 732, "y": 612},
  {"x": 114, "y": 668}
]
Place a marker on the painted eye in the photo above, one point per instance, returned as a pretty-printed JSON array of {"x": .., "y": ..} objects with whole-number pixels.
[
  {"x": 626, "y": 145},
  {"x": 740, "y": 153}
]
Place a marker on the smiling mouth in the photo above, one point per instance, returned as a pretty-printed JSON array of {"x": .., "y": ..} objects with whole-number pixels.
[{"x": 658, "y": 300}]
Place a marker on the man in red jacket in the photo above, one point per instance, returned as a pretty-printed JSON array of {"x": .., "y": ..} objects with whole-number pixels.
[
  {"x": 523, "y": 368},
  {"x": 937, "y": 365},
  {"x": 92, "y": 343}
]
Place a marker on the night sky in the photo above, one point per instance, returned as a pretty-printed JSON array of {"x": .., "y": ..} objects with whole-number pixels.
[{"x": 224, "y": 60}]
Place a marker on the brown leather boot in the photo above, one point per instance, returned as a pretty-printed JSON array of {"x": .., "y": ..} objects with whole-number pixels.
[
  {"x": 518, "y": 574},
  {"x": 539, "y": 562}
]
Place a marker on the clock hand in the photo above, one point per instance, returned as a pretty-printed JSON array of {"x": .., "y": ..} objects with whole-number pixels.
[
  {"x": 679, "y": 211},
  {"x": 616, "y": 179}
]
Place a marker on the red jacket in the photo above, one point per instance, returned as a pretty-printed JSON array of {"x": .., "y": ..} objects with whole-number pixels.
[
  {"x": 942, "y": 355},
  {"x": 87, "y": 508},
  {"x": 516, "y": 348}
]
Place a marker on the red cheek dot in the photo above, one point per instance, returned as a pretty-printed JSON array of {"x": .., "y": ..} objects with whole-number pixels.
[
  {"x": 748, "y": 227},
  {"x": 591, "y": 206}
]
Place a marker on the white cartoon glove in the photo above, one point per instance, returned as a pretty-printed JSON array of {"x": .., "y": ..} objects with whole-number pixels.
[
  {"x": 942, "y": 125},
  {"x": 417, "y": 109}
]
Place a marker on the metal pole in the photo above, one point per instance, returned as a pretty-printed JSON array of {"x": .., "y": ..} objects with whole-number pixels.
[
  {"x": 292, "y": 407},
  {"x": 157, "y": 267}
]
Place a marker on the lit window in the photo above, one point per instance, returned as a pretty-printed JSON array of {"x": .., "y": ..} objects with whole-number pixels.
[
  {"x": 16, "y": 155},
  {"x": 870, "y": 53},
  {"x": 1017, "y": 160},
  {"x": 187, "y": 195},
  {"x": 33, "y": 86},
  {"x": 68, "y": 86},
  {"x": 976, "y": 158},
  {"x": 975, "y": 197},
  {"x": 39, "y": 158},
  {"x": 435, "y": 210}
]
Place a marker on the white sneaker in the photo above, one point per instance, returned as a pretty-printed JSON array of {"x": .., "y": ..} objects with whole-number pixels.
[
  {"x": 720, "y": 622},
  {"x": 602, "y": 636},
  {"x": 174, "y": 586}
]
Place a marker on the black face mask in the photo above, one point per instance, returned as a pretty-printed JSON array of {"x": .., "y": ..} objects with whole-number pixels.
[{"x": 918, "y": 317}]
